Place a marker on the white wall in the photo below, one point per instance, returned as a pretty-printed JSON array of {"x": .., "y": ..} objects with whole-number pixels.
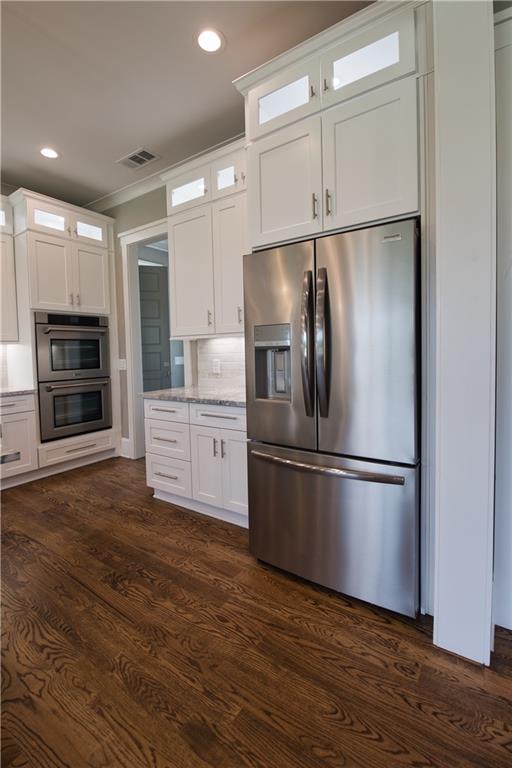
[
  {"x": 465, "y": 326},
  {"x": 503, "y": 515},
  {"x": 230, "y": 353}
]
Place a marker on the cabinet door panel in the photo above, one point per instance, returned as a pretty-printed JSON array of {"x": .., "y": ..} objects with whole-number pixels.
[
  {"x": 370, "y": 156},
  {"x": 90, "y": 230},
  {"x": 92, "y": 282},
  {"x": 206, "y": 469},
  {"x": 9, "y": 307},
  {"x": 188, "y": 190},
  {"x": 228, "y": 175},
  {"x": 229, "y": 246},
  {"x": 19, "y": 434},
  {"x": 285, "y": 171},
  {"x": 234, "y": 470},
  {"x": 51, "y": 272},
  {"x": 191, "y": 272}
]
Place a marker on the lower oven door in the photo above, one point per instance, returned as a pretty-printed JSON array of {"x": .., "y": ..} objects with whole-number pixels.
[{"x": 72, "y": 408}]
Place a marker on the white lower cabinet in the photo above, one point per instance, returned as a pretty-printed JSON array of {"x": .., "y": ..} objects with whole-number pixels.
[
  {"x": 206, "y": 469},
  {"x": 233, "y": 451},
  {"x": 18, "y": 434},
  {"x": 205, "y": 464}
]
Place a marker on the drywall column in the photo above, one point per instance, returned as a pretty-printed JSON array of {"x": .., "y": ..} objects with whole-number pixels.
[
  {"x": 503, "y": 515},
  {"x": 465, "y": 325}
]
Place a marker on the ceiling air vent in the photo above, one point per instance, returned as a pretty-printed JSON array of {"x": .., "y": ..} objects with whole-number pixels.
[{"x": 138, "y": 158}]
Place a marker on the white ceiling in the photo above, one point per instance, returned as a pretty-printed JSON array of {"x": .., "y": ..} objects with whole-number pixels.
[{"x": 97, "y": 80}]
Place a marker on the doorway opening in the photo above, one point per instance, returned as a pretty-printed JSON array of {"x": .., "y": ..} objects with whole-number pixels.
[{"x": 163, "y": 363}]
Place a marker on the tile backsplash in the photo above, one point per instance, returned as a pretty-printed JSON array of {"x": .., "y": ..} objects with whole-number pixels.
[{"x": 226, "y": 355}]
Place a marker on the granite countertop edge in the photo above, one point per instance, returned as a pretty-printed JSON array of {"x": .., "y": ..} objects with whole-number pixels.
[
  {"x": 233, "y": 399},
  {"x": 16, "y": 392}
]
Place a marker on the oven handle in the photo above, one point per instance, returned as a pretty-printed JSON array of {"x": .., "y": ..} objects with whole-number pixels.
[
  {"x": 74, "y": 329},
  {"x": 83, "y": 383}
]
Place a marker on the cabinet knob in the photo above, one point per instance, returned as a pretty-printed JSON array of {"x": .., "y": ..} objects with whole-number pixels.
[
  {"x": 239, "y": 310},
  {"x": 210, "y": 317},
  {"x": 71, "y": 299},
  {"x": 78, "y": 299},
  {"x": 326, "y": 87},
  {"x": 214, "y": 446},
  {"x": 312, "y": 91},
  {"x": 328, "y": 210},
  {"x": 222, "y": 449}
]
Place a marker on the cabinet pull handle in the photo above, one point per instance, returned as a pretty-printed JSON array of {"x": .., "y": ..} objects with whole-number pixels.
[
  {"x": 328, "y": 210},
  {"x": 81, "y": 448},
  {"x": 78, "y": 299},
  {"x": 164, "y": 410},
  {"x": 169, "y": 477},
  {"x": 242, "y": 176},
  {"x": 7, "y": 405},
  {"x": 165, "y": 439},
  {"x": 210, "y": 322},
  {"x": 314, "y": 201},
  {"x": 239, "y": 310},
  {"x": 219, "y": 416},
  {"x": 214, "y": 445},
  {"x": 71, "y": 299},
  {"x": 326, "y": 87},
  {"x": 222, "y": 449},
  {"x": 312, "y": 91}
]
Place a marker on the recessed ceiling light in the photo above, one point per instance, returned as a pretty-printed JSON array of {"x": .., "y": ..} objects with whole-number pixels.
[
  {"x": 49, "y": 152},
  {"x": 211, "y": 41}
]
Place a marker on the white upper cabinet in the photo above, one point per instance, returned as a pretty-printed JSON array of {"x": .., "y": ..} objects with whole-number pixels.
[
  {"x": 49, "y": 218},
  {"x": 285, "y": 190},
  {"x": 370, "y": 156},
  {"x": 191, "y": 272},
  {"x": 64, "y": 275},
  {"x": 5, "y": 216},
  {"x": 229, "y": 246},
  {"x": 189, "y": 189},
  {"x": 286, "y": 97},
  {"x": 9, "y": 307},
  {"x": 51, "y": 273},
  {"x": 91, "y": 279},
  {"x": 90, "y": 230},
  {"x": 228, "y": 175},
  {"x": 383, "y": 52}
]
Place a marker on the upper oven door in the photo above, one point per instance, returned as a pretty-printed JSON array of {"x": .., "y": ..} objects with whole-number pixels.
[{"x": 71, "y": 353}]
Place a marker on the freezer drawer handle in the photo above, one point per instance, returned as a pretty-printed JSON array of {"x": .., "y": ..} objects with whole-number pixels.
[
  {"x": 346, "y": 474},
  {"x": 321, "y": 342},
  {"x": 306, "y": 359}
]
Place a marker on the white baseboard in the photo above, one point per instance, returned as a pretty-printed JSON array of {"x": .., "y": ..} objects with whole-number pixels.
[
  {"x": 204, "y": 509},
  {"x": 126, "y": 448}
]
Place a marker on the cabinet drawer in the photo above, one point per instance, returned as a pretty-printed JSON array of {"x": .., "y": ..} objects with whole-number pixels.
[
  {"x": 17, "y": 404},
  {"x": 163, "y": 410},
  {"x": 167, "y": 439},
  {"x": 19, "y": 435},
  {"x": 74, "y": 448},
  {"x": 219, "y": 416},
  {"x": 171, "y": 475}
]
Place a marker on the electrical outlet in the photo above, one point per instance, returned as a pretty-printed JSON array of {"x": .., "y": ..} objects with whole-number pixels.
[{"x": 216, "y": 367}]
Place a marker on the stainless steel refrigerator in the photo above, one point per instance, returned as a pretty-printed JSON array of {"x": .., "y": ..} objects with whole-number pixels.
[{"x": 332, "y": 372}]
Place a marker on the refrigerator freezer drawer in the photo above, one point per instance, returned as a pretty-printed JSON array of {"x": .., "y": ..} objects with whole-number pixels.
[{"x": 352, "y": 526}]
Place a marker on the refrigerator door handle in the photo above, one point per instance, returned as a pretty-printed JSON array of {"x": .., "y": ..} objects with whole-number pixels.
[
  {"x": 321, "y": 342},
  {"x": 306, "y": 359},
  {"x": 346, "y": 474}
]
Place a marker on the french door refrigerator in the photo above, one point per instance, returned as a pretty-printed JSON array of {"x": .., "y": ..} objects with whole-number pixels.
[{"x": 332, "y": 364}]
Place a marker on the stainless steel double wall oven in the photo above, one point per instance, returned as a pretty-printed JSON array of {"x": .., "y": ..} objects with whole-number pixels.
[
  {"x": 332, "y": 363},
  {"x": 74, "y": 374}
]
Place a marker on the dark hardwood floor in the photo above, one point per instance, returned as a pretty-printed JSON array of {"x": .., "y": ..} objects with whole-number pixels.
[{"x": 138, "y": 634}]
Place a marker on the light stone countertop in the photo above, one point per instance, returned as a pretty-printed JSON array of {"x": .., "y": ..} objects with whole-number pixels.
[
  {"x": 12, "y": 392},
  {"x": 209, "y": 395}
]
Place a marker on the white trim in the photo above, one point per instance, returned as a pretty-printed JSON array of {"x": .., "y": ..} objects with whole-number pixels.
[
  {"x": 125, "y": 448},
  {"x": 134, "y": 445},
  {"x": 317, "y": 44},
  {"x": 503, "y": 29},
  {"x": 204, "y": 509},
  {"x": 144, "y": 232},
  {"x": 465, "y": 328},
  {"x": 155, "y": 181},
  {"x": 56, "y": 469}
]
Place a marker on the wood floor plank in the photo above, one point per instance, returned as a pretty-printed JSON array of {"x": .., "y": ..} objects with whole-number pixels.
[{"x": 140, "y": 634}]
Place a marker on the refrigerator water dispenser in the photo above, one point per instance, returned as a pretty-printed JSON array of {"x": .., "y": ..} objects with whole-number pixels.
[{"x": 272, "y": 361}]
